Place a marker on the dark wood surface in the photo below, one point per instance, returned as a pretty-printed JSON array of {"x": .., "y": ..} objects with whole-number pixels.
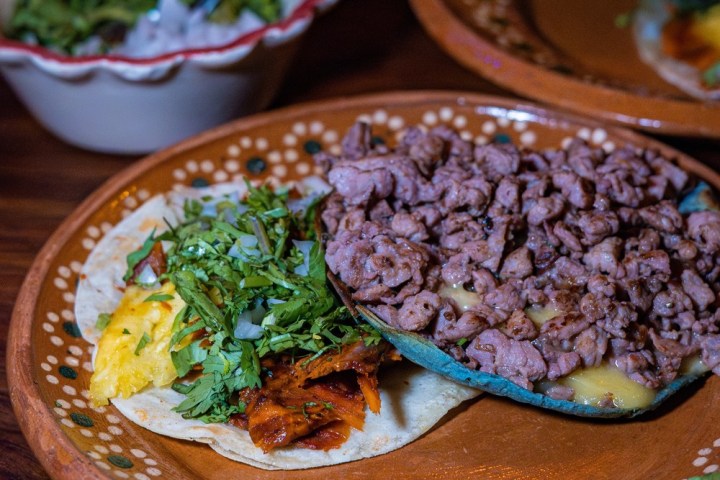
[{"x": 361, "y": 46}]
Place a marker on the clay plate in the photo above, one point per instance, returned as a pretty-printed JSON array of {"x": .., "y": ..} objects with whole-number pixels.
[
  {"x": 48, "y": 363},
  {"x": 568, "y": 54}
]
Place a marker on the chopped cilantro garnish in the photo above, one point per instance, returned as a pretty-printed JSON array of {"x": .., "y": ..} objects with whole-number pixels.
[
  {"x": 239, "y": 264},
  {"x": 307, "y": 405},
  {"x": 103, "y": 321},
  {"x": 126, "y": 331},
  {"x": 144, "y": 340},
  {"x": 159, "y": 297},
  {"x": 61, "y": 24}
]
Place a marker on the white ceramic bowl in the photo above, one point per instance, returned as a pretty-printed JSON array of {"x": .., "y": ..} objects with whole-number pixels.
[{"x": 132, "y": 106}]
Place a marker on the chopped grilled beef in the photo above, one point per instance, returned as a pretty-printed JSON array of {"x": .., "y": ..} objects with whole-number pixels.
[{"x": 595, "y": 237}]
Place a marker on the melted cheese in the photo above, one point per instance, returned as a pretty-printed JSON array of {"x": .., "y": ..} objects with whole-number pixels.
[
  {"x": 464, "y": 299},
  {"x": 593, "y": 385},
  {"x": 693, "y": 366},
  {"x": 119, "y": 371},
  {"x": 540, "y": 315}
]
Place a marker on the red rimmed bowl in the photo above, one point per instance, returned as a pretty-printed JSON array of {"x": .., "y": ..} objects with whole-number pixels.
[{"x": 130, "y": 105}]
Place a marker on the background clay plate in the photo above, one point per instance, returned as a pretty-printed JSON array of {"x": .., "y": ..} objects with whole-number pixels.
[
  {"x": 49, "y": 364},
  {"x": 567, "y": 53}
]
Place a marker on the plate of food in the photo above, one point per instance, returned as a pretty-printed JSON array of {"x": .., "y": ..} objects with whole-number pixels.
[
  {"x": 622, "y": 61},
  {"x": 286, "y": 295}
]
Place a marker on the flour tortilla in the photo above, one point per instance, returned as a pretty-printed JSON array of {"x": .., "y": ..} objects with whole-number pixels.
[
  {"x": 413, "y": 399},
  {"x": 648, "y": 23}
]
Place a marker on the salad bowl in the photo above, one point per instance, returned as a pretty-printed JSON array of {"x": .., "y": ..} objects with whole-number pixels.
[{"x": 124, "y": 105}]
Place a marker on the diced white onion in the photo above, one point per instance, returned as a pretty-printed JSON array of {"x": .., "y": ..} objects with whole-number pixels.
[
  {"x": 304, "y": 246},
  {"x": 209, "y": 209},
  {"x": 248, "y": 241},
  {"x": 147, "y": 276},
  {"x": 234, "y": 252},
  {"x": 248, "y": 323},
  {"x": 313, "y": 185},
  {"x": 299, "y": 205},
  {"x": 244, "y": 247},
  {"x": 173, "y": 26},
  {"x": 248, "y": 331},
  {"x": 257, "y": 313}
]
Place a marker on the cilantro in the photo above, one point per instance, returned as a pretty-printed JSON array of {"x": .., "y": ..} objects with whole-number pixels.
[
  {"x": 103, "y": 321},
  {"x": 126, "y": 331},
  {"x": 708, "y": 476},
  {"x": 261, "y": 234},
  {"x": 158, "y": 297},
  {"x": 228, "y": 10},
  {"x": 307, "y": 405},
  {"x": 181, "y": 317},
  {"x": 461, "y": 342},
  {"x": 61, "y": 24},
  {"x": 139, "y": 255},
  {"x": 241, "y": 259},
  {"x": 185, "y": 359},
  {"x": 190, "y": 290},
  {"x": 144, "y": 340},
  {"x": 317, "y": 263}
]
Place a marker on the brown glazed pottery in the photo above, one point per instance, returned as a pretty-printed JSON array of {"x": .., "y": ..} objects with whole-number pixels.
[
  {"x": 49, "y": 363},
  {"x": 572, "y": 54}
]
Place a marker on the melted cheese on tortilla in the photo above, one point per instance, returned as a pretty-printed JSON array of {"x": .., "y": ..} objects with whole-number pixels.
[
  {"x": 540, "y": 315},
  {"x": 464, "y": 299},
  {"x": 119, "y": 371},
  {"x": 693, "y": 366},
  {"x": 593, "y": 385}
]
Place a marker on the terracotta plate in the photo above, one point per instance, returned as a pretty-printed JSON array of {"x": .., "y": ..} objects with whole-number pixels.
[
  {"x": 49, "y": 364},
  {"x": 569, "y": 54}
]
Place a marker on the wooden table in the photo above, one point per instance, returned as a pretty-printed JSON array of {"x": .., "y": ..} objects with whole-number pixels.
[{"x": 351, "y": 50}]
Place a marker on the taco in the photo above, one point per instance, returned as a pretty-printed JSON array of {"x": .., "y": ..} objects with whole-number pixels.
[
  {"x": 248, "y": 352},
  {"x": 680, "y": 40},
  {"x": 573, "y": 279}
]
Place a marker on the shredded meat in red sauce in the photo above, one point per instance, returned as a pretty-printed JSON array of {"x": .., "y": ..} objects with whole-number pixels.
[
  {"x": 314, "y": 404},
  {"x": 596, "y": 236},
  {"x": 156, "y": 260}
]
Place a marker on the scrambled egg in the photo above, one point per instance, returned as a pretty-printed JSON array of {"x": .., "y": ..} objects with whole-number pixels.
[{"x": 133, "y": 351}]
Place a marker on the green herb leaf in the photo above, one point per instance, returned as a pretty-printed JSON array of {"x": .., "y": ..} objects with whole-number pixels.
[
  {"x": 144, "y": 340},
  {"x": 185, "y": 359},
  {"x": 126, "y": 331},
  {"x": 103, "y": 321},
  {"x": 317, "y": 263},
  {"x": 139, "y": 255},
  {"x": 190, "y": 290},
  {"x": 159, "y": 297},
  {"x": 223, "y": 269},
  {"x": 62, "y": 24}
]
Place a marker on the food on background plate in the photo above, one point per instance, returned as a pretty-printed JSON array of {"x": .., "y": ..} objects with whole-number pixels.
[
  {"x": 680, "y": 39},
  {"x": 572, "y": 278},
  {"x": 139, "y": 28},
  {"x": 213, "y": 322}
]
